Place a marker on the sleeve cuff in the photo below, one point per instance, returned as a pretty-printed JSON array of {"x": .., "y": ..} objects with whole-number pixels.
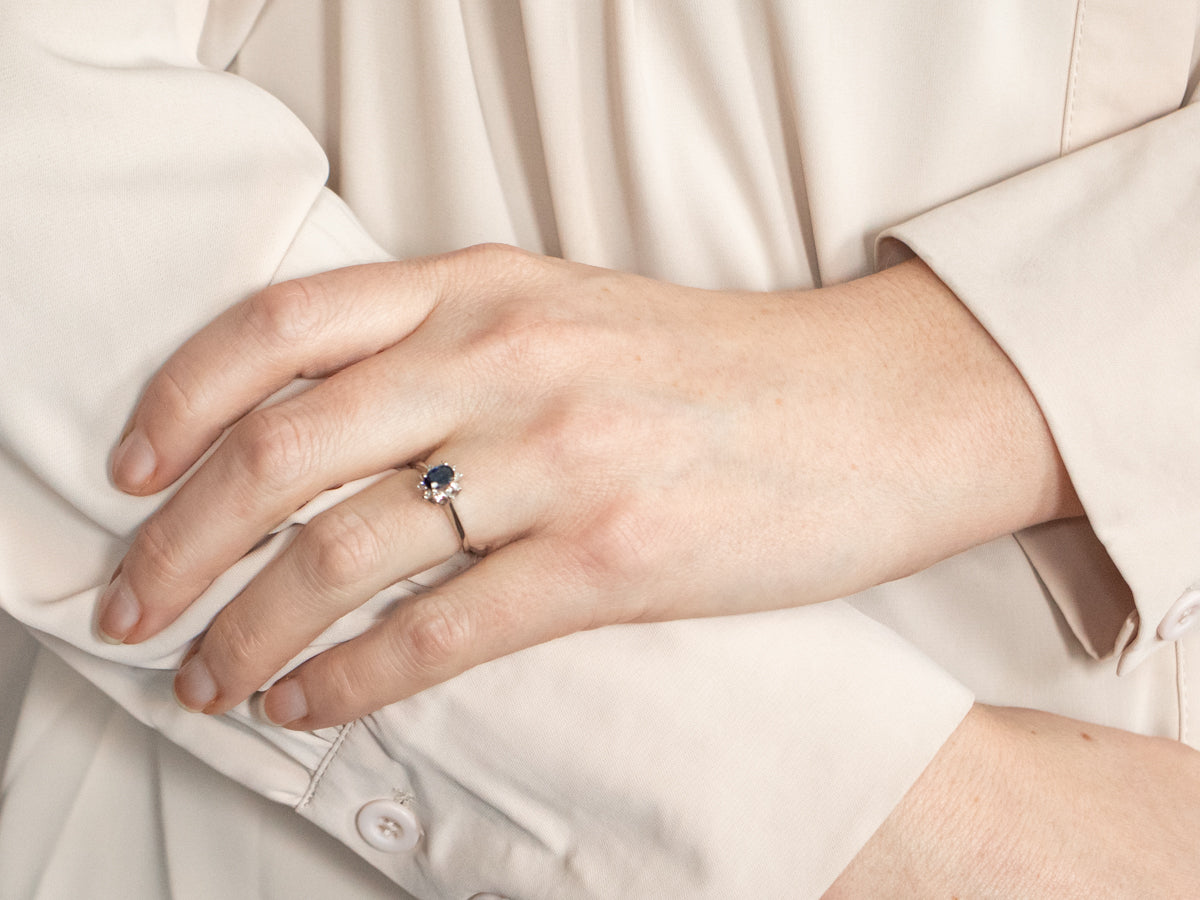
[{"x": 1086, "y": 271}]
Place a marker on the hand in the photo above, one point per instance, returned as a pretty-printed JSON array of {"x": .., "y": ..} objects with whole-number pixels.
[
  {"x": 632, "y": 450},
  {"x": 1021, "y": 803}
]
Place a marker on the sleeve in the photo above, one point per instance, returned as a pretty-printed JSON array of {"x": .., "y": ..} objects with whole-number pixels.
[
  {"x": 148, "y": 189},
  {"x": 1086, "y": 270}
]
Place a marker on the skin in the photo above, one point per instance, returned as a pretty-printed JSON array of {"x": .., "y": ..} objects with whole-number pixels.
[
  {"x": 635, "y": 450},
  {"x": 1021, "y": 803}
]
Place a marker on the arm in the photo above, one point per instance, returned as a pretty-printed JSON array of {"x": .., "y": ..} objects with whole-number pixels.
[
  {"x": 1086, "y": 271},
  {"x": 1028, "y": 207},
  {"x": 1020, "y": 803},
  {"x": 156, "y": 193},
  {"x": 822, "y": 839}
]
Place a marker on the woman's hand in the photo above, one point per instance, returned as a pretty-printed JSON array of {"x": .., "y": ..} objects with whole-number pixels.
[
  {"x": 631, "y": 451},
  {"x": 1021, "y": 803}
]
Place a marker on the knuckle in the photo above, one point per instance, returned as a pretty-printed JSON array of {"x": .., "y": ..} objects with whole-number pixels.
[
  {"x": 433, "y": 640},
  {"x": 241, "y": 644},
  {"x": 556, "y": 438},
  {"x": 287, "y": 314},
  {"x": 575, "y": 435},
  {"x": 618, "y": 548},
  {"x": 170, "y": 397},
  {"x": 274, "y": 447},
  {"x": 502, "y": 267},
  {"x": 494, "y": 256},
  {"x": 159, "y": 554},
  {"x": 341, "y": 549},
  {"x": 524, "y": 340},
  {"x": 345, "y": 683}
]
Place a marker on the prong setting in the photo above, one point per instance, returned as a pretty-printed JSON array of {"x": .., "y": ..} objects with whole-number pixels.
[{"x": 441, "y": 483}]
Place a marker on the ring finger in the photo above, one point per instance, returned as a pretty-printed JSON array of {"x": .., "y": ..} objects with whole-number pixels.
[{"x": 339, "y": 560}]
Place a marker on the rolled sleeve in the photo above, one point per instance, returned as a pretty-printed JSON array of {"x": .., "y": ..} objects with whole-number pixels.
[{"x": 1086, "y": 270}]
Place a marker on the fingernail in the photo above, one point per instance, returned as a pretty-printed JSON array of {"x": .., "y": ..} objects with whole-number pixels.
[
  {"x": 118, "y": 612},
  {"x": 195, "y": 687},
  {"x": 285, "y": 703},
  {"x": 134, "y": 461}
]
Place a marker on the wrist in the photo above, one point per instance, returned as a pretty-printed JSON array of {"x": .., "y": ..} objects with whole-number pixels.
[{"x": 976, "y": 449}]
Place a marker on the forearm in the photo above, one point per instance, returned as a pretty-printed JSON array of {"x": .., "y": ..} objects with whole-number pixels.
[
  {"x": 923, "y": 436},
  {"x": 982, "y": 457},
  {"x": 1085, "y": 271},
  {"x": 1021, "y": 803}
]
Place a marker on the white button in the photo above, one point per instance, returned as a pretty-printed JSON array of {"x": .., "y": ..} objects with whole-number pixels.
[
  {"x": 487, "y": 897},
  {"x": 388, "y": 826},
  {"x": 1181, "y": 617}
]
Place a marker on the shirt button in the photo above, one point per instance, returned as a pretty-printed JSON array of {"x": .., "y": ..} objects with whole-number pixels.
[
  {"x": 388, "y": 826},
  {"x": 487, "y": 897},
  {"x": 1181, "y": 617}
]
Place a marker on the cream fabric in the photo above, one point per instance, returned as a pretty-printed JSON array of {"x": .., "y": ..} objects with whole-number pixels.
[{"x": 750, "y": 144}]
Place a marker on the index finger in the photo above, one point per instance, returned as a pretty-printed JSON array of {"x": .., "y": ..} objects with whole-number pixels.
[{"x": 303, "y": 328}]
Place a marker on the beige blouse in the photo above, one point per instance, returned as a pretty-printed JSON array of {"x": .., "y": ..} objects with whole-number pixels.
[{"x": 1041, "y": 155}]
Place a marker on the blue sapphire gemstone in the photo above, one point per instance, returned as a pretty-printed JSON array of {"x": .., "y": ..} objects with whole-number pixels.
[{"x": 438, "y": 477}]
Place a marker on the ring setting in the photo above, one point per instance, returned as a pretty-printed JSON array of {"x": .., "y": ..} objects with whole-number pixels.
[{"x": 440, "y": 484}]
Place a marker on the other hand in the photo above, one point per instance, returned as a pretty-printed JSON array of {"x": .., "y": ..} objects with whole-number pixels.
[{"x": 1021, "y": 803}]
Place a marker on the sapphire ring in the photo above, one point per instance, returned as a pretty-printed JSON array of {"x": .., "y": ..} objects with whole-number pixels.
[{"x": 440, "y": 484}]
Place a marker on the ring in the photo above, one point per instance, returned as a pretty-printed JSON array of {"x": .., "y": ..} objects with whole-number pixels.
[{"x": 440, "y": 485}]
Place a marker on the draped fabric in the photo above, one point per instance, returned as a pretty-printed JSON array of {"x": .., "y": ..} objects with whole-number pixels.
[{"x": 1040, "y": 156}]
